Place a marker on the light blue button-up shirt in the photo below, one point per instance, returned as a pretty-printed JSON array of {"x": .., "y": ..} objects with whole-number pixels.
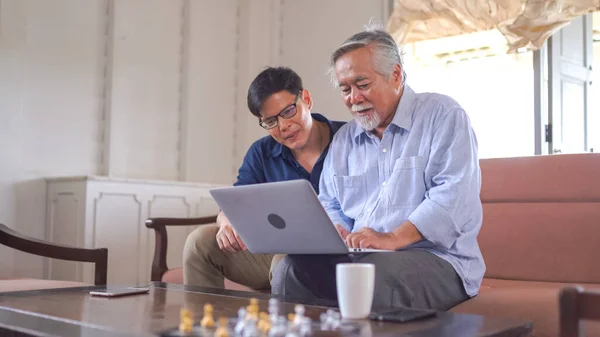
[{"x": 424, "y": 169}]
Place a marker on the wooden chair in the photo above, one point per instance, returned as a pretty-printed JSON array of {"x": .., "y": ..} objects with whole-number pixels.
[
  {"x": 160, "y": 271},
  {"x": 576, "y": 304},
  {"x": 98, "y": 256},
  {"x": 159, "y": 262}
]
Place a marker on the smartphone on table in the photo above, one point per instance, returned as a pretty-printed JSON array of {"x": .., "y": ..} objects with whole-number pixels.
[
  {"x": 401, "y": 314},
  {"x": 119, "y": 292}
]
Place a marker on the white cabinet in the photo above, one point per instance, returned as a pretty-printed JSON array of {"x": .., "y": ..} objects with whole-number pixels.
[{"x": 101, "y": 212}]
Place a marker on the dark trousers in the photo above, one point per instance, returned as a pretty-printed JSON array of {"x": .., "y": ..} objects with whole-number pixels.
[{"x": 410, "y": 278}]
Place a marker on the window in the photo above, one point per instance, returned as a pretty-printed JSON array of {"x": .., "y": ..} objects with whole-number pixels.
[
  {"x": 511, "y": 104},
  {"x": 495, "y": 89}
]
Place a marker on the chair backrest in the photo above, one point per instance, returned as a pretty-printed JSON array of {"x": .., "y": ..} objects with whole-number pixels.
[
  {"x": 576, "y": 304},
  {"x": 159, "y": 262},
  {"x": 18, "y": 241}
]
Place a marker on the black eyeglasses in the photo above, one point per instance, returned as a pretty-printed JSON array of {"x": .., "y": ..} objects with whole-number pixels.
[{"x": 287, "y": 113}]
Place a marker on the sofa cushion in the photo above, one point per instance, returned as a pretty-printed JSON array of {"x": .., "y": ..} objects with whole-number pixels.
[
  {"x": 535, "y": 301},
  {"x": 535, "y": 241},
  {"x": 21, "y": 284},
  {"x": 557, "y": 177},
  {"x": 174, "y": 275},
  {"x": 540, "y": 218}
]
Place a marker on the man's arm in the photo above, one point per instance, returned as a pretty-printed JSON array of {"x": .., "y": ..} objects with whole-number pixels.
[
  {"x": 227, "y": 238},
  {"x": 404, "y": 235},
  {"x": 455, "y": 184},
  {"x": 249, "y": 173},
  {"x": 453, "y": 168}
]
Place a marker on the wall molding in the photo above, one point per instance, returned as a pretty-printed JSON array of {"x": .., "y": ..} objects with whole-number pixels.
[
  {"x": 202, "y": 204},
  {"x": 106, "y": 89},
  {"x": 158, "y": 197},
  {"x": 183, "y": 86},
  {"x": 276, "y": 31},
  {"x": 280, "y": 28},
  {"x": 96, "y": 203},
  {"x": 236, "y": 85}
]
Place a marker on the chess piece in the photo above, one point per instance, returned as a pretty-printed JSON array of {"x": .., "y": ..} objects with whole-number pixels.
[
  {"x": 324, "y": 323},
  {"x": 333, "y": 319},
  {"x": 273, "y": 310},
  {"x": 251, "y": 330},
  {"x": 263, "y": 323},
  {"x": 299, "y": 315},
  {"x": 186, "y": 321},
  {"x": 291, "y": 317},
  {"x": 241, "y": 323},
  {"x": 208, "y": 321},
  {"x": 279, "y": 328},
  {"x": 292, "y": 333},
  {"x": 305, "y": 327},
  {"x": 330, "y": 320},
  {"x": 336, "y": 319},
  {"x": 273, "y": 306},
  {"x": 222, "y": 330},
  {"x": 252, "y": 310}
]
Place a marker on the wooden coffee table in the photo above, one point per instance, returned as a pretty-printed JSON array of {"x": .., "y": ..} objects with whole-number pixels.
[{"x": 73, "y": 312}]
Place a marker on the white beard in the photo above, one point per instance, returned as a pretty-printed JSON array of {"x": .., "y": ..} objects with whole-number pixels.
[{"x": 369, "y": 123}]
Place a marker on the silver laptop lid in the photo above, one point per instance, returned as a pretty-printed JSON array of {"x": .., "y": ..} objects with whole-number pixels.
[{"x": 283, "y": 217}]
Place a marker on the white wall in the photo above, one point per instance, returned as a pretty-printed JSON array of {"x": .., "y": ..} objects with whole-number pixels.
[{"x": 146, "y": 89}]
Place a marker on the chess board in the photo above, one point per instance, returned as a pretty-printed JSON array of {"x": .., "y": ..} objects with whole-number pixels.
[
  {"x": 252, "y": 323},
  {"x": 347, "y": 329}
]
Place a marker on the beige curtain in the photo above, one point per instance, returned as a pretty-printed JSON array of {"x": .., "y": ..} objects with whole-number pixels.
[{"x": 524, "y": 23}]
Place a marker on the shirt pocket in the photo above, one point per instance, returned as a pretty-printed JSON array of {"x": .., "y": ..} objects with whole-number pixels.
[
  {"x": 406, "y": 185},
  {"x": 351, "y": 193}
]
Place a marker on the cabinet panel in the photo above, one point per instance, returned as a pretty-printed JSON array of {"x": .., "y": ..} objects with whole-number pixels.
[{"x": 117, "y": 225}]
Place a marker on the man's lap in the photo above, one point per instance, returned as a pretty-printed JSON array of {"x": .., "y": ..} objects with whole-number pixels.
[{"x": 414, "y": 278}]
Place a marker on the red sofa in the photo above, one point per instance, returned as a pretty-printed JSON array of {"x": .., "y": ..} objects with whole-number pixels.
[{"x": 541, "y": 231}]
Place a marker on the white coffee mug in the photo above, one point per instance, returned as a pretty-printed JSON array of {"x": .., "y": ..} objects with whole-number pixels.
[{"x": 355, "y": 287}]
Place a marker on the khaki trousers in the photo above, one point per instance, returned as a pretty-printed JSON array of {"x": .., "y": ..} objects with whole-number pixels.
[{"x": 206, "y": 265}]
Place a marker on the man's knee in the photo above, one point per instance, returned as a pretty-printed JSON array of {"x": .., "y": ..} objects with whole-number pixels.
[
  {"x": 305, "y": 276},
  {"x": 280, "y": 275},
  {"x": 201, "y": 242},
  {"x": 274, "y": 263}
]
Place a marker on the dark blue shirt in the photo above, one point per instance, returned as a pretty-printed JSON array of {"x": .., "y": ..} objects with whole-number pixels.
[{"x": 269, "y": 161}]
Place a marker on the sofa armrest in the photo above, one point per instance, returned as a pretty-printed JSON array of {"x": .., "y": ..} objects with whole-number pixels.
[
  {"x": 18, "y": 241},
  {"x": 159, "y": 262}
]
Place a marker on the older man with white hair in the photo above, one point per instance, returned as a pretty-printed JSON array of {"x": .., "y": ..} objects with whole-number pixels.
[{"x": 403, "y": 176}]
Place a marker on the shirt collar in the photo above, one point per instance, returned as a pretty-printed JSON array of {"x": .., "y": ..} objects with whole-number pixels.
[
  {"x": 402, "y": 117},
  {"x": 279, "y": 149}
]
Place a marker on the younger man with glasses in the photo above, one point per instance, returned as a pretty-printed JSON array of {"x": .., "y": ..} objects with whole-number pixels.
[{"x": 296, "y": 147}]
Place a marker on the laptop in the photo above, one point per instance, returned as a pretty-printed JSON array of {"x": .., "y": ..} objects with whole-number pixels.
[{"x": 282, "y": 217}]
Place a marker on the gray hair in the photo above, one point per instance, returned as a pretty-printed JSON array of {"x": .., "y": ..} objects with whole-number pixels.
[{"x": 386, "y": 53}]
